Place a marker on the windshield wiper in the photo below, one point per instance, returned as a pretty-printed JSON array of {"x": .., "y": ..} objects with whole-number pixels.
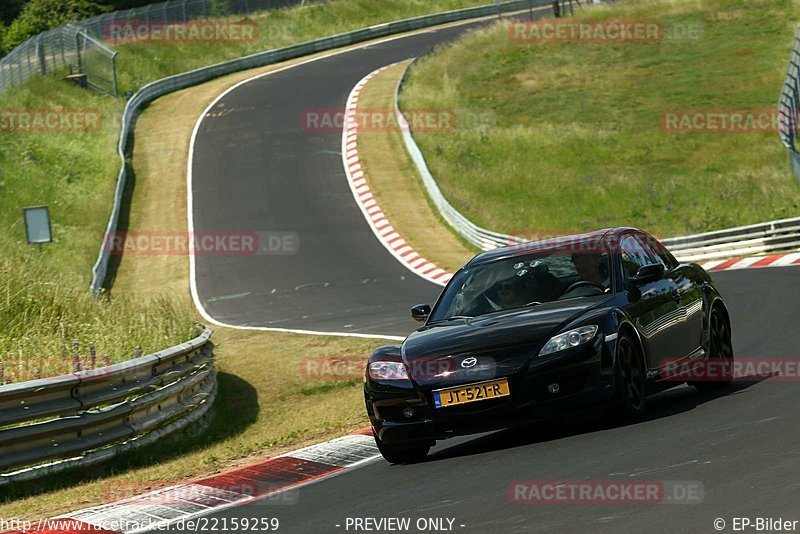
[
  {"x": 451, "y": 318},
  {"x": 534, "y": 303}
]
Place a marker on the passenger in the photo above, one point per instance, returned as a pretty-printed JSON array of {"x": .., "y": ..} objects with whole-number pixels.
[{"x": 504, "y": 295}]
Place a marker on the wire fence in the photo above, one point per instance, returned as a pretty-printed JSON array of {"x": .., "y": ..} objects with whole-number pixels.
[
  {"x": 80, "y": 50},
  {"x": 179, "y": 12},
  {"x": 789, "y": 104}
]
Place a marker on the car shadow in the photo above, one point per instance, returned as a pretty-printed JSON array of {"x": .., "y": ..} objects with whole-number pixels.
[{"x": 667, "y": 403}]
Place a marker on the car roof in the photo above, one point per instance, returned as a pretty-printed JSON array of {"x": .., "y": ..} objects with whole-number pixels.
[{"x": 565, "y": 243}]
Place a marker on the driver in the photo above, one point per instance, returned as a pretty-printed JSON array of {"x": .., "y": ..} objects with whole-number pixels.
[{"x": 592, "y": 268}]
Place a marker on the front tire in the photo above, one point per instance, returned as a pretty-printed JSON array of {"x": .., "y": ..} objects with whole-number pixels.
[
  {"x": 629, "y": 383},
  {"x": 402, "y": 453}
]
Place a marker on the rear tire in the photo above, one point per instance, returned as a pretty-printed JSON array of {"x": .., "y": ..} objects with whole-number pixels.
[
  {"x": 720, "y": 357},
  {"x": 402, "y": 453},
  {"x": 629, "y": 383}
]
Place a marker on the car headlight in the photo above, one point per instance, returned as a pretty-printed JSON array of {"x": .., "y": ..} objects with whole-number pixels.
[
  {"x": 570, "y": 339},
  {"x": 388, "y": 371}
]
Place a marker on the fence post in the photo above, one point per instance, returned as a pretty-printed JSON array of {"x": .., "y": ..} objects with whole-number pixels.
[
  {"x": 41, "y": 55},
  {"x": 114, "y": 72},
  {"x": 54, "y": 56},
  {"x": 63, "y": 48},
  {"x": 183, "y": 11},
  {"x": 78, "y": 51},
  {"x": 30, "y": 61}
]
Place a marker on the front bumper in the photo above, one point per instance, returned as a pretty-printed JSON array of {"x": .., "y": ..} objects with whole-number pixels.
[{"x": 584, "y": 374}]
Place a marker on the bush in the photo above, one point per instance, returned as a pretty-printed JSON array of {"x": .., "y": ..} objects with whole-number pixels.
[{"x": 41, "y": 15}]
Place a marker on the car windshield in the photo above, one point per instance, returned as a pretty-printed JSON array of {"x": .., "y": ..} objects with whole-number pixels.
[{"x": 523, "y": 281}]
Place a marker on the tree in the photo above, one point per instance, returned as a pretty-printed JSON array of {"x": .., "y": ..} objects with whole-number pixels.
[
  {"x": 41, "y": 15},
  {"x": 9, "y": 10}
]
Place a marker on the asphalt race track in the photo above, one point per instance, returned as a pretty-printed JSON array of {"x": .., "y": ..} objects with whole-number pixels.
[
  {"x": 256, "y": 169},
  {"x": 741, "y": 442}
]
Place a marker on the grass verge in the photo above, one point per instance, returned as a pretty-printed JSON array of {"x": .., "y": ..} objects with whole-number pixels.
[
  {"x": 45, "y": 303},
  {"x": 578, "y": 141},
  {"x": 143, "y": 61}
]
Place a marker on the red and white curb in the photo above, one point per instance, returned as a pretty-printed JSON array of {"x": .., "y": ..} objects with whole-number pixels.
[
  {"x": 270, "y": 482},
  {"x": 375, "y": 217},
  {"x": 754, "y": 262}
]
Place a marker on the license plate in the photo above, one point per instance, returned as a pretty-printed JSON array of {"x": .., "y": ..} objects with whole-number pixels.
[{"x": 471, "y": 393}]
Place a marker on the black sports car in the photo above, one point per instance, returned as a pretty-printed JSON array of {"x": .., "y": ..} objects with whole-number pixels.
[{"x": 528, "y": 331}]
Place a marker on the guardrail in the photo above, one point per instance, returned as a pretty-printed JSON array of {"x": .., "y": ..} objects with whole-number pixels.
[
  {"x": 789, "y": 105},
  {"x": 740, "y": 241},
  {"x": 164, "y": 86},
  {"x": 86, "y": 417}
]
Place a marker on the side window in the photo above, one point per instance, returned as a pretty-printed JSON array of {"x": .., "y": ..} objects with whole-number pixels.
[
  {"x": 666, "y": 257},
  {"x": 634, "y": 255}
]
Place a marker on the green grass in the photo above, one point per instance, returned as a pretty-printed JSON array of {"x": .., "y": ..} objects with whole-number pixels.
[
  {"x": 45, "y": 302},
  {"x": 578, "y": 142},
  {"x": 42, "y": 313}
]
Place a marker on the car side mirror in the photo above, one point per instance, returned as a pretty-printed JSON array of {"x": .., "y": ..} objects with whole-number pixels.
[
  {"x": 648, "y": 273},
  {"x": 421, "y": 312}
]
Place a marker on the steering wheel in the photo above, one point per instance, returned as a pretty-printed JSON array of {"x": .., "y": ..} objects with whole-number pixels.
[{"x": 580, "y": 283}]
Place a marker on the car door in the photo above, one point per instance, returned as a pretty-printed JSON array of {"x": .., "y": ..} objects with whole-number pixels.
[
  {"x": 688, "y": 293},
  {"x": 651, "y": 306}
]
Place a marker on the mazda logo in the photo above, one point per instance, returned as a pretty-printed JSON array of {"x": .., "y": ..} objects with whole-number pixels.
[{"x": 469, "y": 362}]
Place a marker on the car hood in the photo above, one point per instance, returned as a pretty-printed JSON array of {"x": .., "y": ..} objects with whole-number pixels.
[{"x": 502, "y": 342}]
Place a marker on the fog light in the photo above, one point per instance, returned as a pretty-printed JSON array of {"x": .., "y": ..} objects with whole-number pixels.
[
  {"x": 554, "y": 388},
  {"x": 409, "y": 412}
]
